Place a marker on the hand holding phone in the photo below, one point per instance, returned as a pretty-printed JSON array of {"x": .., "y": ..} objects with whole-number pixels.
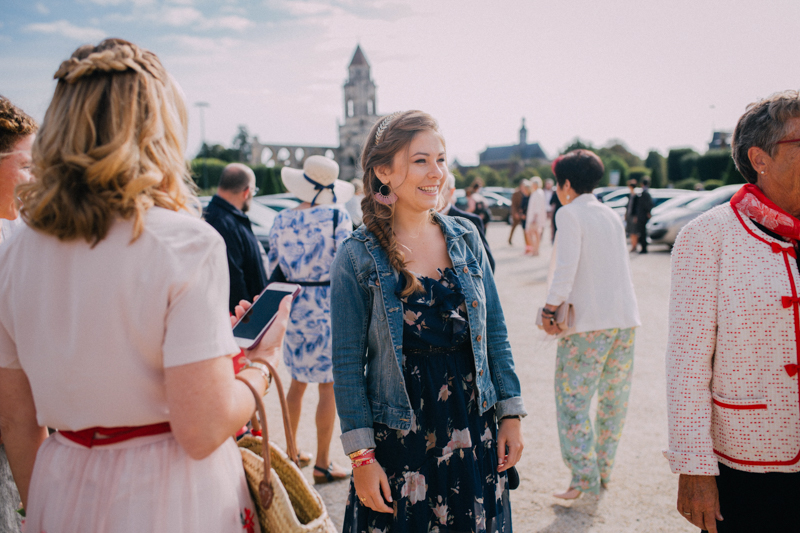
[{"x": 259, "y": 317}]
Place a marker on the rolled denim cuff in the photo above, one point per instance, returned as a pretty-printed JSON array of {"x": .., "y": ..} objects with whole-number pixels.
[
  {"x": 510, "y": 407},
  {"x": 358, "y": 439}
]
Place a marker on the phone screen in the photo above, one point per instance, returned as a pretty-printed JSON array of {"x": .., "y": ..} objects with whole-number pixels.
[{"x": 260, "y": 314}]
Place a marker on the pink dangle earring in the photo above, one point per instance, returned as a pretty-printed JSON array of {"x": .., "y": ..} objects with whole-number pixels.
[{"x": 385, "y": 195}]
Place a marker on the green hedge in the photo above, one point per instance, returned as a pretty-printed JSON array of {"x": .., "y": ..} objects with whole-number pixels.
[
  {"x": 713, "y": 165},
  {"x": 710, "y": 185},
  {"x": 268, "y": 180},
  {"x": 688, "y": 184},
  {"x": 638, "y": 174}
]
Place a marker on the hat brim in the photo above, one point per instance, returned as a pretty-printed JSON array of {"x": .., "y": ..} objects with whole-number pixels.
[{"x": 294, "y": 180}]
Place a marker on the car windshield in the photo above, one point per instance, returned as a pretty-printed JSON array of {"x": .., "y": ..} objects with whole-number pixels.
[{"x": 712, "y": 200}]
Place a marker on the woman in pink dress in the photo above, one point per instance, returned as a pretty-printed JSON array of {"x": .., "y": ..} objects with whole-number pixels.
[{"x": 113, "y": 323}]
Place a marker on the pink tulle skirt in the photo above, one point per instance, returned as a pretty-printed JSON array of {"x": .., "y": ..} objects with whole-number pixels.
[{"x": 144, "y": 484}]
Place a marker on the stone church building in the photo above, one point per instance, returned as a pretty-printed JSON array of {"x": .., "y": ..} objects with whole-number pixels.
[{"x": 360, "y": 113}]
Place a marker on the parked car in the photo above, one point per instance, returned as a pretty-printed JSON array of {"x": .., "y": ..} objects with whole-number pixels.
[
  {"x": 620, "y": 203},
  {"x": 499, "y": 206},
  {"x": 603, "y": 192},
  {"x": 679, "y": 201},
  {"x": 277, "y": 203},
  {"x": 664, "y": 227},
  {"x": 261, "y": 219},
  {"x": 505, "y": 192}
]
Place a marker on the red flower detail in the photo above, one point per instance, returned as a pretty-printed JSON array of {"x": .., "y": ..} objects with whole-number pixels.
[{"x": 248, "y": 520}]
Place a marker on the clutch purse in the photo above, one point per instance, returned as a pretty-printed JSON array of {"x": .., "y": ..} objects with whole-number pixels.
[{"x": 564, "y": 319}]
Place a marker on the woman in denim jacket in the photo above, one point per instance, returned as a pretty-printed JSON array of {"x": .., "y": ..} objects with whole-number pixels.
[{"x": 422, "y": 366}]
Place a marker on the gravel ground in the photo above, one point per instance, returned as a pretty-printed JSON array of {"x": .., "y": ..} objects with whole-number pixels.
[{"x": 641, "y": 496}]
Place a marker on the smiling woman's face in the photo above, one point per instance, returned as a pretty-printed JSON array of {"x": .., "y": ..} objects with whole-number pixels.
[
  {"x": 14, "y": 169},
  {"x": 418, "y": 173}
]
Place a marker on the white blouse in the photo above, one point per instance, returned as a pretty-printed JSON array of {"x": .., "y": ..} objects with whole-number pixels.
[
  {"x": 94, "y": 328},
  {"x": 590, "y": 267}
]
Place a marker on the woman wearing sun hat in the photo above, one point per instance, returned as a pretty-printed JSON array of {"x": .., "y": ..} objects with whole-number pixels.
[{"x": 303, "y": 242}]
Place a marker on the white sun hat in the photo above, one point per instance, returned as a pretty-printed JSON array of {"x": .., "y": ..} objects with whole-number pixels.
[{"x": 317, "y": 183}]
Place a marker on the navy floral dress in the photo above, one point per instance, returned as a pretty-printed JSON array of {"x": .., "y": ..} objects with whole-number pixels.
[{"x": 443, "y": 470}]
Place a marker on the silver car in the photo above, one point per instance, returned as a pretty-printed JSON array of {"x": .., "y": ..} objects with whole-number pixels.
[{"x": 663, "y": 228}]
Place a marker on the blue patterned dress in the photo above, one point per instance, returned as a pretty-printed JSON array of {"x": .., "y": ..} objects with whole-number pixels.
[
  {"x": 443, "y": 470},
  {"x": 302, "y": 243}
]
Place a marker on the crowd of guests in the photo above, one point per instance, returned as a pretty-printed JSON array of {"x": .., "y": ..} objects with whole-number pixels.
[{"x": 118, "y": 302}]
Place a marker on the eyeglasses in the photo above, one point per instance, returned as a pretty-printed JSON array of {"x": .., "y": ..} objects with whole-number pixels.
[{"x": 788, "y": 141}]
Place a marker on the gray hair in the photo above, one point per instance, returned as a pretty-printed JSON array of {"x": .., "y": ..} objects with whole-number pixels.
[
  {"x": 762, "y": 125},
  {"x": 236, "y": 177},
  {"x": 537, "y": 180}
]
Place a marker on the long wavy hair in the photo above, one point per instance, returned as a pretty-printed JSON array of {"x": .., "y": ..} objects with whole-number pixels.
[
  {"x": 111, "y": 145},
  {"x": 379, "y": 150}
]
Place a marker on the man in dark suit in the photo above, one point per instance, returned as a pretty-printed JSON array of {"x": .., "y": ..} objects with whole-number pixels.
[
  {"x": 451, "y": 210},
  {"x": 644, "y": 204}
]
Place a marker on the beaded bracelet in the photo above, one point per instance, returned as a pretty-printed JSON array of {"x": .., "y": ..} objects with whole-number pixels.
[{"x": 363, "y": 462}]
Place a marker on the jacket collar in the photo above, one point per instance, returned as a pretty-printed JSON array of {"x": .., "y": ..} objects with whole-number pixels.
[
  {"x": 227, "y": 206},
  {"x": 451, "y": 229}
]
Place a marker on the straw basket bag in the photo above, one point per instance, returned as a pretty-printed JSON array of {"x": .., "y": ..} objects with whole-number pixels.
[{"x": 285, "y": 501}]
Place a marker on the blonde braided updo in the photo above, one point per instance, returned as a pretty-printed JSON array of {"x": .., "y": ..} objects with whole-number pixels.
[
  {"x": 397, "y": 132},
  {"x": 15, "y": 125},
  {"x": 111, "y": 145}
]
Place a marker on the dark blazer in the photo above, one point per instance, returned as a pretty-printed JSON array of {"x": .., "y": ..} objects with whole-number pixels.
[
  {"x": 475, "y": 219},
  {"x": 247, "y": 275}
]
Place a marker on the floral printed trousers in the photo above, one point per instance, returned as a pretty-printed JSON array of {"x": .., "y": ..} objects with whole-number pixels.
[{"x": 593, "y": 361}]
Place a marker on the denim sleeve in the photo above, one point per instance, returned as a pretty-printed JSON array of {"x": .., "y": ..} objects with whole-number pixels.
[
  {"x": 498, "y": 349},
  {"x": 350, "y": 308}
]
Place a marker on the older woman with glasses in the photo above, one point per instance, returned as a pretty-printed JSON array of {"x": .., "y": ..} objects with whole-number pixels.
[{"x": 732, "y": 356}]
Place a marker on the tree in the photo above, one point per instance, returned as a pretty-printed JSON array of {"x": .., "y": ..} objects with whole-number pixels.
[
  {"x": 713, "y": 165},
  {"x": 242, "y": 144},
  {"x": 732, "y": 175},
  {"x": 658, "y": 169},
  {"x": 577, "y": 144},
  {"x": 616, "y": 148},
  {"x": 614, "y": 163},
  {"x": 674, "y": 173},
  {"x": 688, "y": 165}
]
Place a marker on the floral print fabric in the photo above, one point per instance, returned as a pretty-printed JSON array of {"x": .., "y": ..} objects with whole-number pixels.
[
  {"x": 594, "y": 361},
  {"x": 302, "y": 243},
  {"x": 442, "y": 471}
]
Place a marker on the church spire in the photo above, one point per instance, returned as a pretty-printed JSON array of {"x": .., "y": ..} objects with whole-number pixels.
[
  {"x": 358, "y": 58},
  {"x": 523, "y": 134}
]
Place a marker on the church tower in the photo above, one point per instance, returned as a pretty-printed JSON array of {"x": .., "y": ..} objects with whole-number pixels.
[
  {"x": 523, "y": 134},
  {"x": 360, "y": 113}
]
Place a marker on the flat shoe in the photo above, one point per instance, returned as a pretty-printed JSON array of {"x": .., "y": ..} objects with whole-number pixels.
[
  {"x": 322, "y": 475},
  {"x": 569, "y": 494},
  {"x": 303, "y": 459}
]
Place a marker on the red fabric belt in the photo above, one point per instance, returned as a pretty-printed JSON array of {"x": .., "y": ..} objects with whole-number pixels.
[{"x": 87, "y": 437}]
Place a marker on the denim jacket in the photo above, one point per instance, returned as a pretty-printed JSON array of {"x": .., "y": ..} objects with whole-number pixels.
[{"x": 367, "y": 334}]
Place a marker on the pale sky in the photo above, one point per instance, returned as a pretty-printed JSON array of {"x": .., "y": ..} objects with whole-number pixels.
[{"x": 644, "y": 72}]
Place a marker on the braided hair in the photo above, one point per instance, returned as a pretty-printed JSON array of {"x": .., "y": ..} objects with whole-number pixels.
[
  {"x": 111, "y": 145},
  {"x": 387, "y": 137}
]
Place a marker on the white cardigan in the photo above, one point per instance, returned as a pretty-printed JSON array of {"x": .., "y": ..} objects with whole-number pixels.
[
  {"x": 732, "y": 352},
  {"x": 591, "y": 269}
]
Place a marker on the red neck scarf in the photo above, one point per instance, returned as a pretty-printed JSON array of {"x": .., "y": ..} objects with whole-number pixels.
[{"x": 752, "y": 203}]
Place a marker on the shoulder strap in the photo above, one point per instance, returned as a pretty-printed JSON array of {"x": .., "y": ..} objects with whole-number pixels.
[{"x": 335, "y": 223}]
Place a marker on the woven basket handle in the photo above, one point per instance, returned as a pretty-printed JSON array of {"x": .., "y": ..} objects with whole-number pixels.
[
  {"x": 265, "y": 492},
  {"x": 291, "y": 445}
]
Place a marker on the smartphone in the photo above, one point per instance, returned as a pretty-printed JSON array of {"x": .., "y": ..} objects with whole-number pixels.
[{"x": 249, "y": 330}]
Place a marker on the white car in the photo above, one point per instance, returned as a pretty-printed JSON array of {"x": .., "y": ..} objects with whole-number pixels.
[{"x": 663, "y": 228}]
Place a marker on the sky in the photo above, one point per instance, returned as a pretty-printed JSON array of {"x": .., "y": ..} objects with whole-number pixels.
[{"x": 654, "y": 75}]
